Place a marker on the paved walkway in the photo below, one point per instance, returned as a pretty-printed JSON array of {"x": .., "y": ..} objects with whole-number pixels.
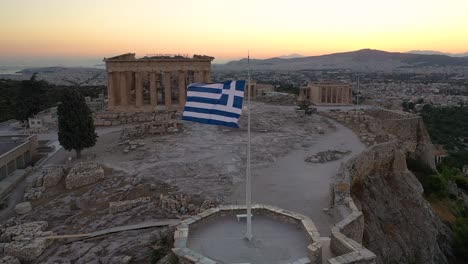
[{"x": 302, "y": 187}]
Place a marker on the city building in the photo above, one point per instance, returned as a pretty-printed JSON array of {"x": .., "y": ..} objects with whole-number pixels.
[
  {"x": 16, "y": 152},
  {"x": 43, "y": 119},
  {"x": 154, "y": 82},
  {"x": 95, "y": 104},
  {"x": 327, "y": 93},
  {"x": 440, "y": 154}
]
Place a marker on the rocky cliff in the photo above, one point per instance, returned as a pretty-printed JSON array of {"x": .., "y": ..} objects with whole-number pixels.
[{"x": 399, "y": 224}]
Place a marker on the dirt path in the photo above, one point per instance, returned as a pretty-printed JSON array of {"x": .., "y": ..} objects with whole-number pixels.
[{"x": 294, "y": 184}]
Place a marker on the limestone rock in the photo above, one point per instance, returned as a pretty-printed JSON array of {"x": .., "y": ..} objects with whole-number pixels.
[
  {"x": 121, "y": 259},
  {"x": 84, "y": 174},
  {"x": 400, "y": 225},
  {"x": 122, "y": 206},
  {"x": 23, "y": 208},
  {"x": 26, "y": 241},
  {"x": 9, "y": 260},
  {"x": 52, "y": 177}
]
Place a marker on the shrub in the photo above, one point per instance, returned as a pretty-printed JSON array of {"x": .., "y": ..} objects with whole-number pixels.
[{"x": 460, "y": 239}]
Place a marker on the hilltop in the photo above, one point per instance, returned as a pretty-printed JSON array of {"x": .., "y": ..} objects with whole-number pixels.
[{"x": 361, "y": 60}]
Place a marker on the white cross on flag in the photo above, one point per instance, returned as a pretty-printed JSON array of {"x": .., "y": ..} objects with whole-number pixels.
[{"x": 215, "y": 103}]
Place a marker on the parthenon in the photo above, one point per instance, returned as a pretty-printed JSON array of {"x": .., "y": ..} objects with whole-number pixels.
[
  {"x": 332, "y": 93},
  {"x": 153, "y": 82}
]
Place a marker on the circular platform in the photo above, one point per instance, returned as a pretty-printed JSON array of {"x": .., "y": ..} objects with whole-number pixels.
[{"x": 217, "y": 236}]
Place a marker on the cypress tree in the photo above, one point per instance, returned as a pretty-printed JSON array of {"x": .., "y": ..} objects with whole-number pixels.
[{"x": 76, "y": 124}]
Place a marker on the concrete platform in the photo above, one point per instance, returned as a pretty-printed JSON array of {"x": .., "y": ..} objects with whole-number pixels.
[{"x": 222, "y": 240}]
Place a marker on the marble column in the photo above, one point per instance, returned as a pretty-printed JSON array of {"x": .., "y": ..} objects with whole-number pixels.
[
  {"x": 207, "y": 76},
  {"x": 198, "y": 76},
  {"x": 153, "y": 92},
  {"x": 340, "y": 95},
  {"x": 110, "y": 91},
  {"x": 138, "y": 89},
  {"x": 167, "y": 89},
  {"x": 182, "y": 85},
  {"x": 334, "y": 96},
  {"x": 327, "y": 92},
  {"x": 123, "y": 89}
]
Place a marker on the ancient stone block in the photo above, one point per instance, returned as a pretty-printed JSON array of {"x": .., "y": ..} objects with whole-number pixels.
[
  {"x": 122, "y": 206},
  {"x": 52, "y": 176},
  {"x": 84, "y": 174},
  {"x": 23, "y": 208}
]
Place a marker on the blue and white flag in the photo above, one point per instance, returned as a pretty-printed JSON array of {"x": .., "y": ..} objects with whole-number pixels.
[{"x": 215, "y": 103}]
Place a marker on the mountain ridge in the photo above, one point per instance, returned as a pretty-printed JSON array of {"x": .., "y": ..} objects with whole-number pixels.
[{"x": 364, "y": 59}]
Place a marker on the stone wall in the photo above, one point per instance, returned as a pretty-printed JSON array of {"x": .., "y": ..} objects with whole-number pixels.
[
  {"x": 375, "y": 126},
  {"x": 120, "y": 118},
  {"x": 82, "y": 174},
  {"x": 347, "y": 235}
]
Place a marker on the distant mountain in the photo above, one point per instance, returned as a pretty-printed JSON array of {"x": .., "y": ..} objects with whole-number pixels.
[
  {"x": 290, "y": 56},
  {"x": 434, "y": 52},
  {"x": 361, "y": 60}
]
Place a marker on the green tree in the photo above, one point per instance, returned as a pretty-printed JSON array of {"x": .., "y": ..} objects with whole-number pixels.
[
  {"x": 31, "y": 98},
  {"x": 76, "y": 124}
]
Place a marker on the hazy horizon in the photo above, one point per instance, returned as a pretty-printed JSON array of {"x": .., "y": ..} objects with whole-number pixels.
[{"x": 70, "y": 32}]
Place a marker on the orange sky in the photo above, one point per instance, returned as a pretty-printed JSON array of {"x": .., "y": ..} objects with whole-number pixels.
[{"x": 227, "y": 29}]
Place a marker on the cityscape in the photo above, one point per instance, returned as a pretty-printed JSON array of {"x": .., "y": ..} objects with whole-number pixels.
[{"x": 245, "y": 133}]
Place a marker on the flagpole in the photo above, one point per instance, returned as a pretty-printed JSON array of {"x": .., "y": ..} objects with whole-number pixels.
[{"x": 248, "y": 189}]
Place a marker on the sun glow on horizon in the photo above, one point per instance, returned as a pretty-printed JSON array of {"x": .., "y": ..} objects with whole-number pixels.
[{"x": 226, "y": 29}]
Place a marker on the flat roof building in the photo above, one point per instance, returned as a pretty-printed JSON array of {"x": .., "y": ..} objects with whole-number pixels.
[{"x": 16, "y": 152}]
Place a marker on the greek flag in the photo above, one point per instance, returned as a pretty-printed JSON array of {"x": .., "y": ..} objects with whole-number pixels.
[{"x": 215, "y": 103}]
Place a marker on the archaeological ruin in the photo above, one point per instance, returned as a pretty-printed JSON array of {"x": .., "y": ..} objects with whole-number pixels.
[
  {"x": 327, "y": 93},
  {"x": 152, "y": 82}
]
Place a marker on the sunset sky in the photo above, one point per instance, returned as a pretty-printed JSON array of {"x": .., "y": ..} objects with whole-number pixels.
[{"x": 225, "y": 28}]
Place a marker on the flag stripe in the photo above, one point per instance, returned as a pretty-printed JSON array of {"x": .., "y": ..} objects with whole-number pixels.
[
  {"x": 210, "y": 116},
  {"x": 204, "y": 90},
  {"x": 202, "y": 100},
  {"x": 211, "y": 111},
  {"x": 214, "y": 103},
  {"x": 204, "y": 95},
  {"x": 210, "y": 122},
  {"x": 214, "y": 107}
]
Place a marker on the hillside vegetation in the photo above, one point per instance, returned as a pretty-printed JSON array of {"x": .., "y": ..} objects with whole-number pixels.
[
  {"x": 22, "y": 99},
  {"x": 448, "y": 126}
]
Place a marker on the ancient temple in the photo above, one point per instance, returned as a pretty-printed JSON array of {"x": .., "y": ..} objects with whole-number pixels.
[
  {"x": 327, "y": 93},
  {"x": 152, "y": 83}
]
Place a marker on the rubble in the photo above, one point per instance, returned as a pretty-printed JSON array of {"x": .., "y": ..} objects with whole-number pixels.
[
  {"x": 84, "y": 174},
  {"x": 23, "y": 208},
  {"x": 327, "y": 156},
  {"x": 9, "y": 260},
  {"x": 33, "y": 194},
  {"x": 52, "y": 176},
  {"x": 278, "y": 99},
  {"x": 122, "y": 206},
  {"x": 131, "y": 145},
  {"x": 181, "y": 204},
  {"x": 26, "y": 241}
]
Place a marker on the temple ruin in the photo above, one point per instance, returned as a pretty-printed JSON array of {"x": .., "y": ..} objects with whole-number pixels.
[
  {"x": 152, "y": 83},
  {"x": 327, "y": 93}
]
